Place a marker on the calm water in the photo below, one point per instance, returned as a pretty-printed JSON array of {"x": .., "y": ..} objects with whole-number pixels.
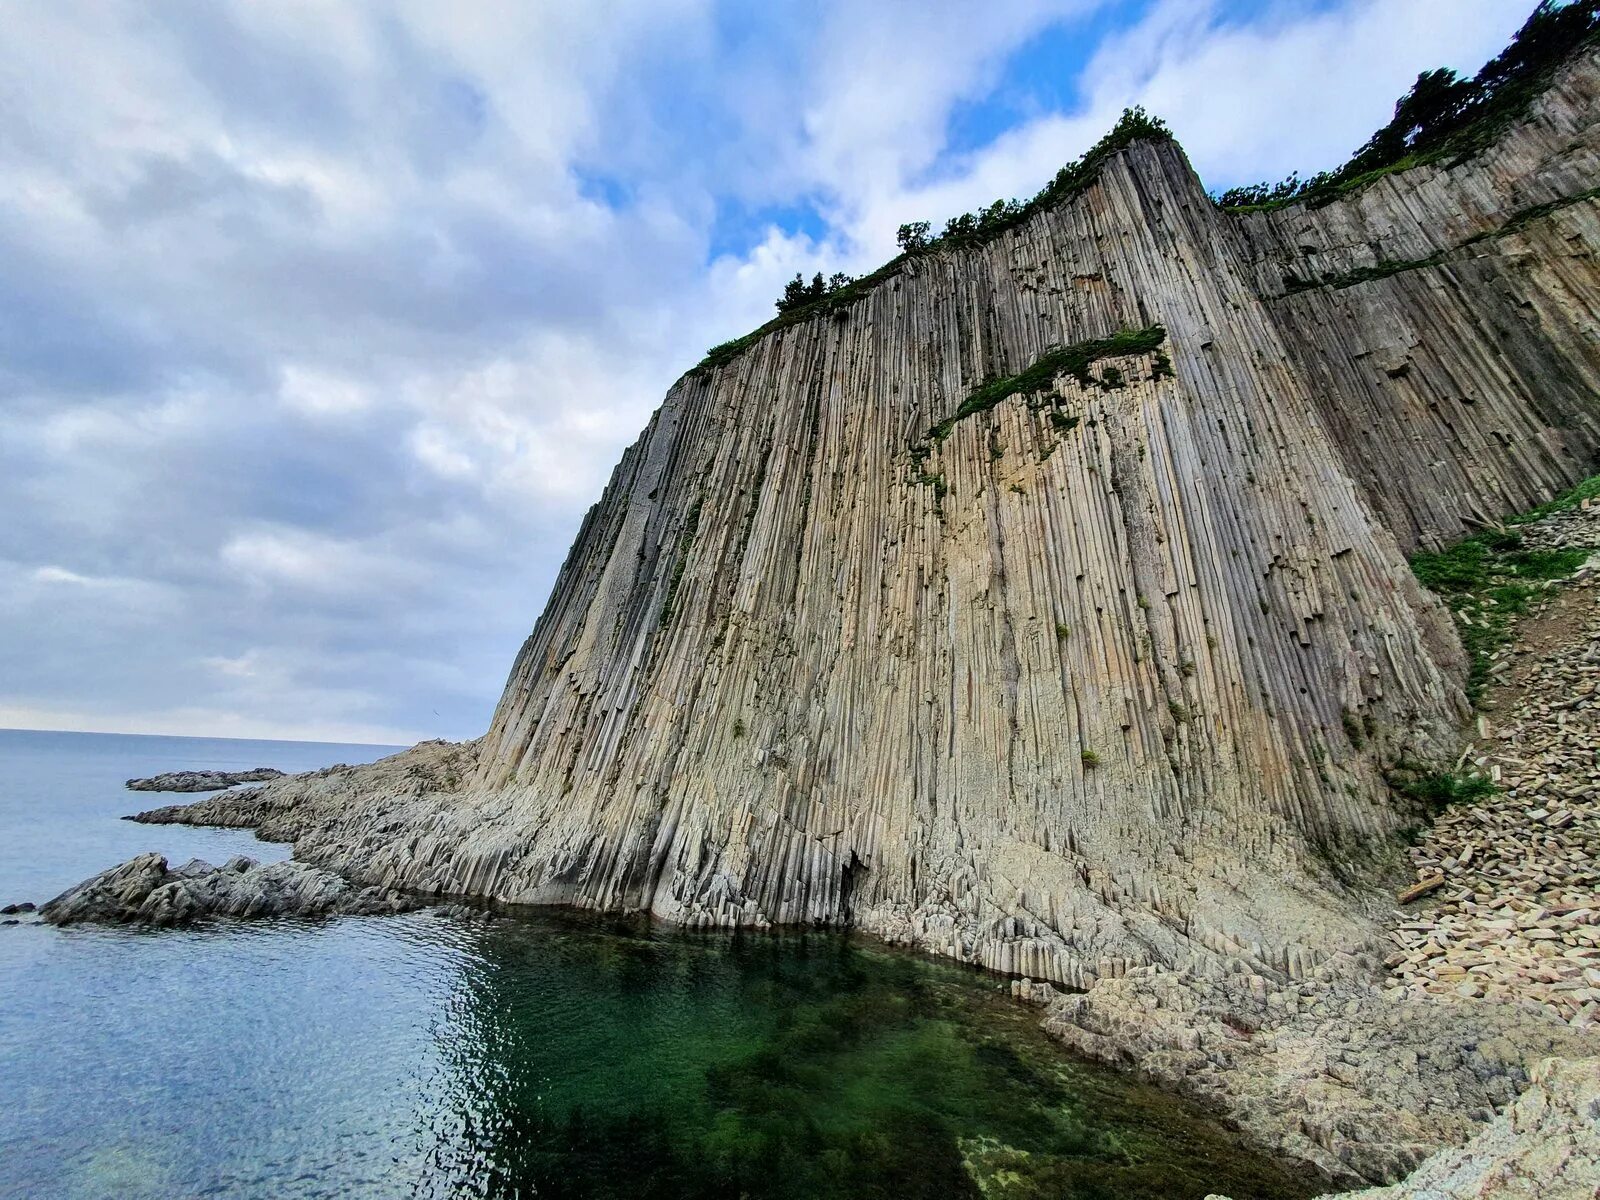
[{"x": 424, "y": 1056}]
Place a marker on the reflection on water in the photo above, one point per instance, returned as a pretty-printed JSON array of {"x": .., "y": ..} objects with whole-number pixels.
[
  {"x": 550, "y": 1056},
  {"x": 625, "y": 1063},
  {"x": 556, "y": 1056}
]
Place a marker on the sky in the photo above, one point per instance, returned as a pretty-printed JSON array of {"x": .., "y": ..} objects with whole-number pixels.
[{"x": 323, "y": 323}]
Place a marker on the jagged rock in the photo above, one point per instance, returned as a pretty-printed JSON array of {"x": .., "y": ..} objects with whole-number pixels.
[
  {"x": 145, "y": 891},
  {"x": 1331, "y": 1070},
  {"x": 1094, "y": 685},
  {"x": 1546, "y": 1146},
  {"x": 1105, "y": 677},
  {"x": 202, "y": 781}
]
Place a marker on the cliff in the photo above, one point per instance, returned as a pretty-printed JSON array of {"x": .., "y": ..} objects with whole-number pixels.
[{"x": 1094, "y": 676}]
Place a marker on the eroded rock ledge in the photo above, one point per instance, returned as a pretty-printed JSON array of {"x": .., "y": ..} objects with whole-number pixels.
[
  {"x": 1545, "y": 1147},
  {"x": 145, "y": 891},
  {"x": 202, "y": 781},
  {"x": 1330, "y": 1070}
]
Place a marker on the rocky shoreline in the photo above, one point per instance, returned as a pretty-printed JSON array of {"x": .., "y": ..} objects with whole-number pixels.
[
  {"x": 146, "y": 891},
  {"x": 1360, "y": 1067},
  {"x": 1365, "y": 1070},
  {"x": 202, "y": 781},
  {"x": 1546, "y": 1146}
]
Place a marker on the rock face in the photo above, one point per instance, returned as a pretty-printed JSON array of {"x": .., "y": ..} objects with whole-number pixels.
[
  {"x": 1097, "y": 678},
  {"x": 1330, "y": 1070},
  {"x": 202, "y": 781},
  {"x": 145, "y": 891},
  {"x": 1545, "y": 1147}
]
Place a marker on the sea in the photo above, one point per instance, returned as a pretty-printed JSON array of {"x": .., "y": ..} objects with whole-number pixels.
[{"x": 542, "y": 1054}]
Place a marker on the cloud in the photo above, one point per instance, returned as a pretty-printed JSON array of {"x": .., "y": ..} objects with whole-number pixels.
[{"x": 321, "y": 325}]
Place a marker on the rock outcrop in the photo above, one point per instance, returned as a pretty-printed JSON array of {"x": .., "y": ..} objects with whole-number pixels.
[
  {"x": 1330, "y": 1070},
  {"x": 202, "y": 781},
  {"x": 1097, "y": 677},
  {"x": 1546, "y": 1146},
  {"x": 145, "y": 891}
]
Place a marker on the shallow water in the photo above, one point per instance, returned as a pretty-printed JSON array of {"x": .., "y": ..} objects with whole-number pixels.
[{"x": 552, "y": 1055}]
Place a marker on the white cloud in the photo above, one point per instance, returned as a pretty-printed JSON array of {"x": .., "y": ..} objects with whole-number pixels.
[
  {"x": 321, "y": 394},
  {"x": 300, "y": 560},
  {"x": 322, "y": 324},
  {"x": 62, "y": 575}
]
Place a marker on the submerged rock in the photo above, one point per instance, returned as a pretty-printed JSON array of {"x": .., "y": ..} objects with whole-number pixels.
[
  {"x": 145, "y": 891},
  {"x": 202, "y": 781}
]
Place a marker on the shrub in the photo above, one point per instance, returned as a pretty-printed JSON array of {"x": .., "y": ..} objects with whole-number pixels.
[
  {"x": 1090, "y": 759},
  {"x": 1442, "y": 113},
  {"x": 1436, "y": 790},
  {"x": 913, "y": 236},
  {"x": 797, "y": 293}
]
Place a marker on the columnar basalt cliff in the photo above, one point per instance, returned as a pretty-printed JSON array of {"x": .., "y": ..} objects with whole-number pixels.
[{"x": 1100, "y": 675}]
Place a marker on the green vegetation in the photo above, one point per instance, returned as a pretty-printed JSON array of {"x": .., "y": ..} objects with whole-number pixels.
[
  {"x": 976, "y": 228},
  {"x": 1489, "y": 578},
  {"x": 1433, "y": 791},
  {"x": 835, "y": 296},
  {"x": 797, "y": 293},
  {"x": 1444, "y": 116},
  {"x": 1067, "y": 360},
  {"x": 936, "y": 482},
  {"x": 1380, "y": 270},
  {"x": 1090, "y": 759},
  {"x": 738, "y": 727},
  {"x": 834, "y": 302},
  {"x": 1063, "y": 631},
  {"x": 1061, "y": 423}
]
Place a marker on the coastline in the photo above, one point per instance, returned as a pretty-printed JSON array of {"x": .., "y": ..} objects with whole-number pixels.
[{"x": 1343, "y": 1069}]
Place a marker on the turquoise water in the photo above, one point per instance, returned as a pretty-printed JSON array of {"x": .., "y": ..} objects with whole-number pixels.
[{"x": 549, "y": 1056}]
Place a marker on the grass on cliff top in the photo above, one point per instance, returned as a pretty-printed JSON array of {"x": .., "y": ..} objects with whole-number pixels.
[
  {"x": 1446, "y": 118},
  {"x": 1074, "y": 360},
  {"x": 1491, "y": 577},
  {"x": 963, "y": 232}
]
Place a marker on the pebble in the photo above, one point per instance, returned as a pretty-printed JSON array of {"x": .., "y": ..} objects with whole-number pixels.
[{"x": 1514, "y": 877}]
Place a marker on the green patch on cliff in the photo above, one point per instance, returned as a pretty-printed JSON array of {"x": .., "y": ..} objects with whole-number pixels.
[
  {"x": 1072, "y": 360},
  {"x": 962, "y": 232},
  {"x": 1490, "y": 578}
]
